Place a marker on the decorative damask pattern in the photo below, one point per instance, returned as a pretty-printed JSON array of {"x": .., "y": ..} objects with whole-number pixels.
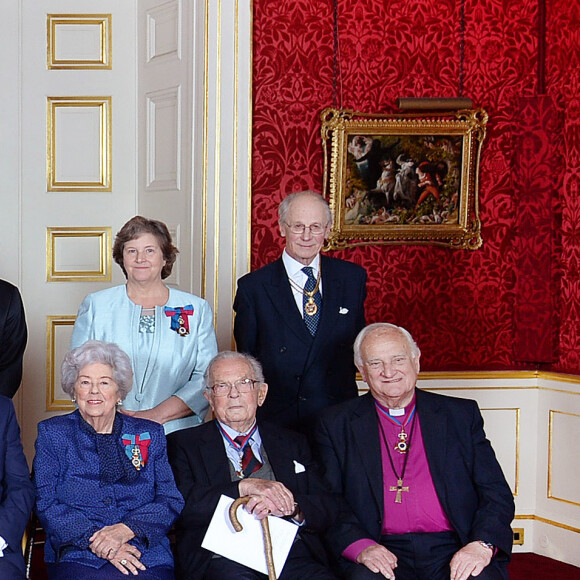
[
  {"x": 563, "y": 83},
  {"x": 458, "y": 304},
  {"x": 537, "y": 171}
]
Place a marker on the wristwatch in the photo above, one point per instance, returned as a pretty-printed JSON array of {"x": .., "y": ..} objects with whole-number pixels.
[{"x": 487, "y": 545}]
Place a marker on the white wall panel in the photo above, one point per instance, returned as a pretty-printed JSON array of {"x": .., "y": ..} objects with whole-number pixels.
[
  {"x": 164, "y": 139},
  {"x": 164, "y": 30},
  {"x": 79, "y": 41},
  {"x": 563, "y": 467},
  {"x": 501, "y": 428}
]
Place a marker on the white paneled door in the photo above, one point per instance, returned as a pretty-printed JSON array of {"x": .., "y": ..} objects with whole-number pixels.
[
  {"x": 108, "y": 109},
  {"x": 74, "y": 112}
]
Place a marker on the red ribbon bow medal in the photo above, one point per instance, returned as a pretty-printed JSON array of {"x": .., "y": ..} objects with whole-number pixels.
[{"x": 179, "y": 318}]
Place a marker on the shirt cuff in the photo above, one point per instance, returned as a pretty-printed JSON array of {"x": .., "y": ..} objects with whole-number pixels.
[
  {"x": 352, "y": 551},
  {"x": 3, "y": 546}
]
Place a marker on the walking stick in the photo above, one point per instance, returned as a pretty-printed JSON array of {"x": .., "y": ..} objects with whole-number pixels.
[{"x": 265, "y": 532}]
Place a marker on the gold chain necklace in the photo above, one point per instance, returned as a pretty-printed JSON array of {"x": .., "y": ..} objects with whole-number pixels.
[{"x": 310, "y": 307}]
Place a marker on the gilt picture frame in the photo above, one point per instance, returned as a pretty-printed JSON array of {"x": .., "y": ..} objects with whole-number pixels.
[{"x": 403, "y": 178}]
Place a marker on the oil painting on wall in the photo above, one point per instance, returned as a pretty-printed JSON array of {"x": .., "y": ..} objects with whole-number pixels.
[{"x": 403, "y": 178}]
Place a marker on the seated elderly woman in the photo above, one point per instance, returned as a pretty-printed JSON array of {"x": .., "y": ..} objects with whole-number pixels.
[{"x": 105, "y": 492}]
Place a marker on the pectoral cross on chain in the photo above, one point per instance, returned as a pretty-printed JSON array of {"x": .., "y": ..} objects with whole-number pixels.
[{"x": 399, "y": 488}]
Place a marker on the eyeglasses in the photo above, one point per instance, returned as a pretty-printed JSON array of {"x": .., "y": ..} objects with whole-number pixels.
[
  {"x": 315, "y": 229},
  {"x": 242, "y": 386}
]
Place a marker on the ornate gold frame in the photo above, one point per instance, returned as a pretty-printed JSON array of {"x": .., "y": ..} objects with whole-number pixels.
[
  {"x": 103, "y": 21},
  {"x": 103, "y": 274},
  {"x": 105, "y": 152},
  {"x": 452, "y": 141},
  {"x": 52, "y": 403}
]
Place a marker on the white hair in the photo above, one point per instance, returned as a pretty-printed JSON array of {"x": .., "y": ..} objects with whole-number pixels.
[
  {"x": 383, "y": 327},
  {"x": 285, "y": 204},
  {"x": 97, "y": 352},
  {"x": 233, "y": 355}
]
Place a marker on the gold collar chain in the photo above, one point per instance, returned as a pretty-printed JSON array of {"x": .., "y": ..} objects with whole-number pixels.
[{"x": 310, "y": 293}]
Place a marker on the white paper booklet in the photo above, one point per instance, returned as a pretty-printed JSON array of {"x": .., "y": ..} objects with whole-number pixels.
[{"x": 247, "y": 547}]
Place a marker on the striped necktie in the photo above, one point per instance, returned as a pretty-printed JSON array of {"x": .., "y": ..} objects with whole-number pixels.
[{"x": 249, "y": 461}]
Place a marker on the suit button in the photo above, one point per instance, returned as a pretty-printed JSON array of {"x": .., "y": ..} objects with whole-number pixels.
[
  {"x": 108, "y": 501},
  {"x": 302, "y": 399},
  {"x": 298, "y": 377},
  {"x": 282, "y": 349}
]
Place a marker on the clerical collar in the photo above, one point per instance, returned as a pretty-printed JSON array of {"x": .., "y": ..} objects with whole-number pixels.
[
  {"x": 294, "y": 267},
  {"x": 397, "y": 412}
]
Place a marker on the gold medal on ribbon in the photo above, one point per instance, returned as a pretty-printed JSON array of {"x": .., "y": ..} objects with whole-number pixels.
[
  {"x": 182, "y": 330},
  {"x": 401, "y": 446},
  {"x": 136, "y": 458},
  {"x": 310, "y": 307}
]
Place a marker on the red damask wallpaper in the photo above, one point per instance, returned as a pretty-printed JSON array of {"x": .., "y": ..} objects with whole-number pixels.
[{"x": 513, "y": 304}]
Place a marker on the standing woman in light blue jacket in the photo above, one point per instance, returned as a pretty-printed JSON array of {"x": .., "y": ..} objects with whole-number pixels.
[{"x": 168, "y": 334}]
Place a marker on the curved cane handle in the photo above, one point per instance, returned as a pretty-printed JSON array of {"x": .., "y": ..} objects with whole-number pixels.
[
  {"x": 265, "y": 532},
  {"x": 233, "y": 512}
]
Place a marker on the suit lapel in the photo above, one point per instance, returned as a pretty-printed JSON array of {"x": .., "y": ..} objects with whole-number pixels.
[
  {"x": 215, "y": 461},
  {"x": 331, "y": 295},
  {"x": 365, "y": 430},
  {"x": 434, "y": 433},
  {"x": 280, "y": 455},
  {"x": 282, "y": 299}
]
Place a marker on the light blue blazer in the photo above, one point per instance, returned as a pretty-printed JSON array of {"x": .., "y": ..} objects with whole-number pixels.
[{"x": 171, "y": 364}]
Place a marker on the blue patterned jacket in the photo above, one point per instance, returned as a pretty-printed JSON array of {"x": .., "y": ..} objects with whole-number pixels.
[{"x": 74, "y": 500}]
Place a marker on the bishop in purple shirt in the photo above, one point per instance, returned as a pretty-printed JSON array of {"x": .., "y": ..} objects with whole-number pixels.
[{"x": 425, "y": 498}]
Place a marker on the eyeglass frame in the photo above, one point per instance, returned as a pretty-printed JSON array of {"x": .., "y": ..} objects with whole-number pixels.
[
  {"x": 299, "y": 229},
  {"x": 246, "y": 381}
]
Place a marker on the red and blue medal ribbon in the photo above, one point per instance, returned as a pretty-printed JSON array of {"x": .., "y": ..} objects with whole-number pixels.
[
  {"x": 246, "y": 438},
  {"x": 179, "y": 318},
  {"x": 249, "y": 462},
  {"x": 402, "y": 444},
  {"x": 396, "y": 421},
  {"x": 136, "y": 448}
]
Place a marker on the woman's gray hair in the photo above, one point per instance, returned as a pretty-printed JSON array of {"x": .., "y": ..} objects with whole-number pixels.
[
  {"x": 232, "y": 355},
  {"x": 97, "y": 352},
  {"x": 284, "y": 206},
  {"x": 383, "y": 327}
]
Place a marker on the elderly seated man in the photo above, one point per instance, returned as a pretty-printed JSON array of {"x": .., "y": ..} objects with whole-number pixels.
[
  {"x": 236, "y": 456},
  {"x": 427, "y": 497}
]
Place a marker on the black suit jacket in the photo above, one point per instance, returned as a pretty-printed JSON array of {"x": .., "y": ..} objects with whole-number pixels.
[
  {"x": 305, "y": 374},
  {"x": 468, "y": 479},
  {"x": 202, "y": 473},
  {"x": 16, "y": 492},
  {"x": 13, "y": 337}
]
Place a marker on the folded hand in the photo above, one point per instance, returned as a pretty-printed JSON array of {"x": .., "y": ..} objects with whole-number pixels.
[
  {"x": 127, "y": 560},
  {"x": 108, "y": 540}
]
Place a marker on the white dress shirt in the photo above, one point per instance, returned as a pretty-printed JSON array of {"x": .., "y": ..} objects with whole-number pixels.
[
  {"x": 295, "y": 273},
  {"x": 233, "y": 453}
]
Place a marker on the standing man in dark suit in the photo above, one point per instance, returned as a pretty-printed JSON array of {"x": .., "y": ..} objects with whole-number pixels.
[
  {"x": 299, "y": 317},
  {"x": 13, "y": 337},
  {"x": 237, "y": 456},
  {"x": 16, "y": 494},
  {"x": 427, "y": 497}
]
